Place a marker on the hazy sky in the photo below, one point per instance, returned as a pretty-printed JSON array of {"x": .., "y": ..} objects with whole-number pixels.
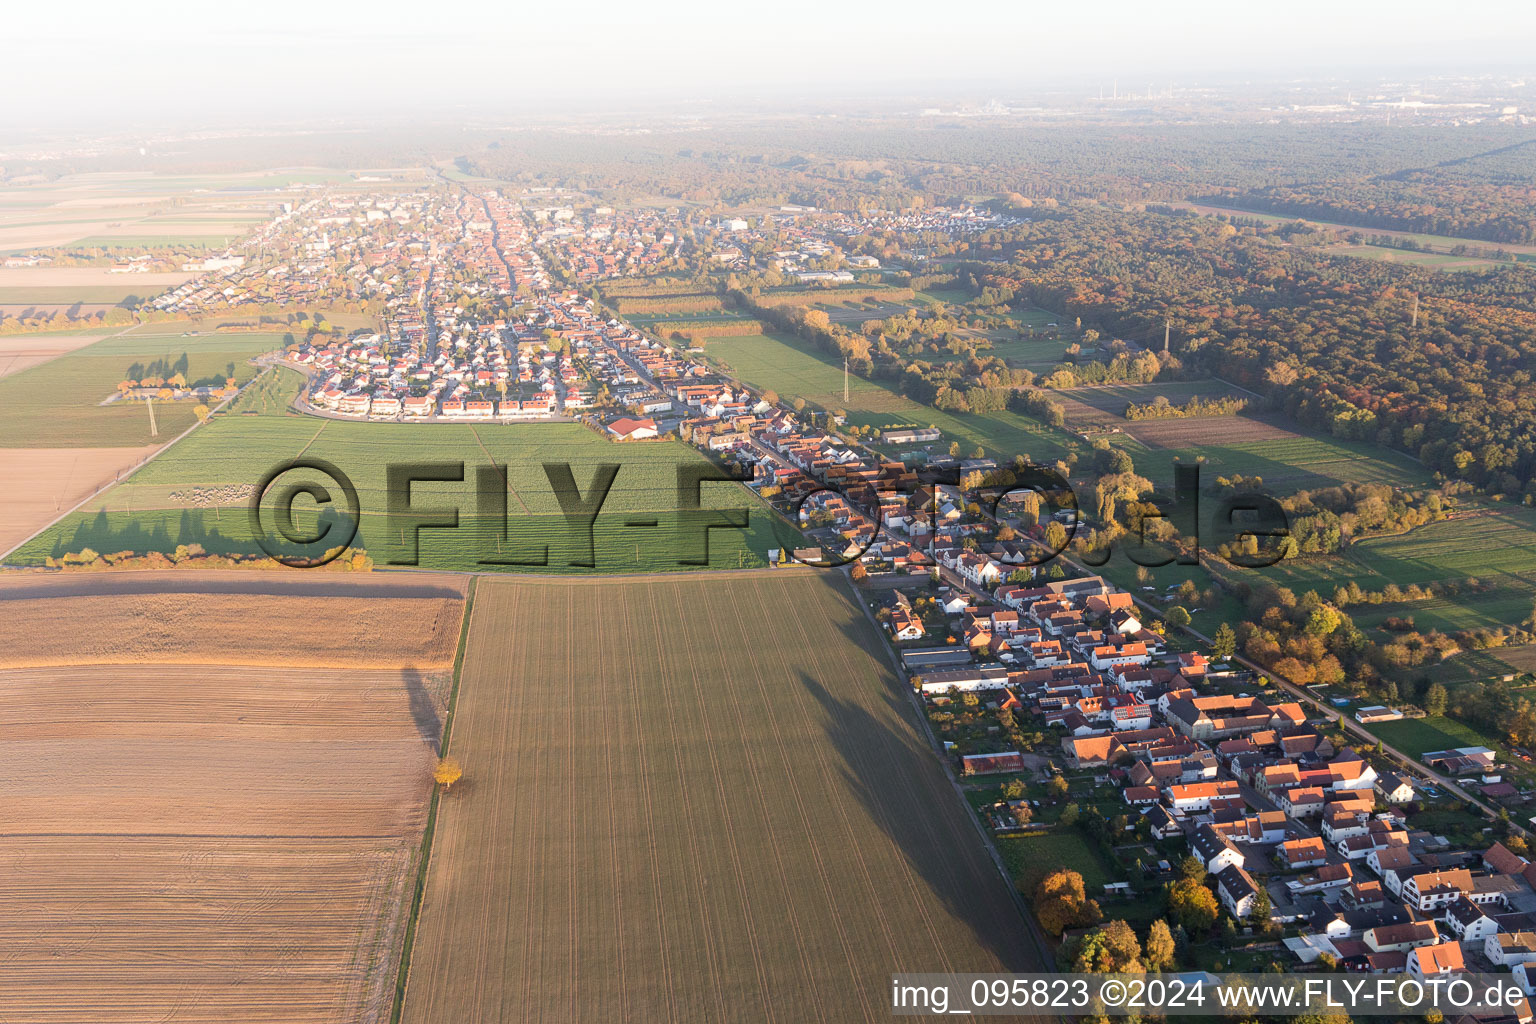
[{"x": 156, "y": 61}]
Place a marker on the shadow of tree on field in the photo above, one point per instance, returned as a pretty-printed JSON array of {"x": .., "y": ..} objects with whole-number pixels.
[
  {"x": 429, "y": 726},
  {"x": 895, "y": 776}
]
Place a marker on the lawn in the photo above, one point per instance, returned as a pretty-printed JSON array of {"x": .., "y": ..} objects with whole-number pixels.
[
  {"x": 1414, "y": 736},
  {"x": 1030, "y": 856},
  {"x": 653, "y": 826}
]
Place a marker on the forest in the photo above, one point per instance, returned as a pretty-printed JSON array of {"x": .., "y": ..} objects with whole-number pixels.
[{"x": 1437, "y": 365}]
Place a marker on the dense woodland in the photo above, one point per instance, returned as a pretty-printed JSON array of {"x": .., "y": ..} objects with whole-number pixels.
[
  {"x": 1331, "y": 339},
  {"x": 1490, "y": 196}
]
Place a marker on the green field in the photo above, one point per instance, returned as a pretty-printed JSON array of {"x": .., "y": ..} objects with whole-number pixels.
[
  {"x": 689, "y": 815},
  {"x": 1416, "y": 735},
  {"x": 1291, "y": 463},
  {"x": 1417, "y": 258},
  {"x": 1497, "y": 548},
  {"x": 789, "y": 366},
  {"x": 1031, "y": 855},
  {"x": 197, "y": 492},
  {"x": 58, "y": 403}
]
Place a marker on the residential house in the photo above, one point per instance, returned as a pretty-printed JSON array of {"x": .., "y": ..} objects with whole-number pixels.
[
  {"x": 1093, "y": 751},
  {"x": 1431, "y": 890},
  {"x": 1508, "y": 948},
  {"x": 1467, "y": 922},
  {"x": 1401, "y": 937},
  {"x": 1302, "y": 853},
  {"x": 1394, "y": 789},
  {"x": 1237, "y": 890},
  {"x": 1214, "y": 850},
  {"x": 1441, "y": 958}
]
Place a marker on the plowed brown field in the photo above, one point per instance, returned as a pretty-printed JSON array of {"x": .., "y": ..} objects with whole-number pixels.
[
  {"x": 693, "y": 800},
  {"x": 205, "y": 843}
]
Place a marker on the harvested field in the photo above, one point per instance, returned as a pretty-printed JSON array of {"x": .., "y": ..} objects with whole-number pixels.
[
  {"x": 207, "y": 843},
  {"x": 231, "y": 617},
  {"x": 88, "y": 277},
  {"x": 1520, "y": 659},
  {"x": 1101, "y": 409},
  {"x": 1198, "y": 430},
  {"x": 688, "y": 818},
  {"x": 41, "y": 483},
  {"x": 19, "y": 352}
]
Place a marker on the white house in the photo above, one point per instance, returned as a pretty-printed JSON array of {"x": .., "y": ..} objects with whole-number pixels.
[
  {"x": 1237, "y": 891},
  {"x": 1431, "y": 890},
  {"x": 1441, "y": 958},
  {"x": 1468, "y": 923},
  {"x": 1509, "y": 948},
  {"x": 1214, "y": 850}
]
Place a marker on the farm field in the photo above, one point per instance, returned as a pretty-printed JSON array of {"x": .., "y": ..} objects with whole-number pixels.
[
  {"x": 215, "y": 843},
  {"x": 231, "y": 617},
  {"x": 22, "y": 351},
  {"x": 1101, "y": 409},
  {"x": 120, "y": 210},
  {"x": 40, "y": 483},
  {"x": 1498, "y": 547},
  {"x": 81, "y": 284},
  {"x": 1434, "y": 260},
  {"x": 198, "y": 491},
  {"x": 787, "y": 365},
  {"x": 1285, "y": 463},
  {"x": 1519, "y": 659},
  {"x": 58, "y": 404},
  {"x": 654, "y": 825}
]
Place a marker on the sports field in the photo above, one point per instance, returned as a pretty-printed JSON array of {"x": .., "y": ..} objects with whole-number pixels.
[
  {"x": 688, "y": 817},
  {"x": 1415, "y": 736}
]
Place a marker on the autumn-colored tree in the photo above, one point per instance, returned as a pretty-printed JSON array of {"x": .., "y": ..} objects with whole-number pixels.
[
  {"x": 447, "y": 772},
  {"x": 201, "y": 412},
  {"x": 1160, "y": 949},
  {"x": 1061, "y": 903},
  {"x": 1110, "y": 949},
  {"x": 1192, "y": 904}
]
